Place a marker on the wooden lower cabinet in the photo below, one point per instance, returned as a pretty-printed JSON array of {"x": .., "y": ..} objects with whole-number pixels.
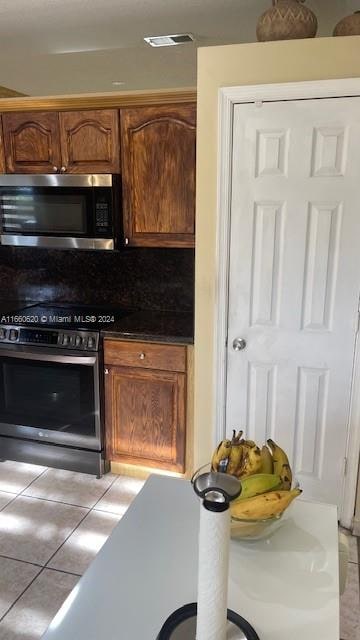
[{"x": 145, "y": 412}]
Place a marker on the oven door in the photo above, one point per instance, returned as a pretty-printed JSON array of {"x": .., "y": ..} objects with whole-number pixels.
[{"x": 50, "y": 397}]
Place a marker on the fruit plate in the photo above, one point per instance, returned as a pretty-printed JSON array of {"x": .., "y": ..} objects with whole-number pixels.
[{"x": 255, "y": 529}]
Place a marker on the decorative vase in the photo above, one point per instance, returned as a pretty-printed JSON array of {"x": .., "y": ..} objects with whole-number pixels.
[
  {"x": 286, "y": 20},
  {"x": 349, "y": 26}
]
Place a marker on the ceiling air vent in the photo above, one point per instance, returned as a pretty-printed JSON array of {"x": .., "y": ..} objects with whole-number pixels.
[{"x": 169, "y": 41}]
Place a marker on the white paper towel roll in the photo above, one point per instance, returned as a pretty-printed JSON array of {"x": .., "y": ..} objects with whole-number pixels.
[{"x": 214, "y": 542}]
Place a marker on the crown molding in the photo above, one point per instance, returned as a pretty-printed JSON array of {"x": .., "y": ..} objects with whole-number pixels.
[{"x": 98, "y": 100}]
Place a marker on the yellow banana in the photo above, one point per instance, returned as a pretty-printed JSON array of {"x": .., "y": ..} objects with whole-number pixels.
[
  {"x": 235, "y": 460},
  {"x": 267, "y": 465},
  {"x": 248, "y": 443},
  {"x": 281, "y": 464},
  {"x": 251, "y": 462},
  {"x": 257, "y": 484},
  {"x": 221, "y": 453},
  {"x": 286, "y": 477},
  {"x": 279, "y": 456},
  {"x": 264, "y": 506}
]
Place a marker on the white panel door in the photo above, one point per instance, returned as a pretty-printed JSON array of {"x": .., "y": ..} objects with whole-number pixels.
[{"x": 295, "y": 281}]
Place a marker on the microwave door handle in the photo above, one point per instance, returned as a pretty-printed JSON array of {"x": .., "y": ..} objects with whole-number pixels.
[{"x": 51, "y": 357}]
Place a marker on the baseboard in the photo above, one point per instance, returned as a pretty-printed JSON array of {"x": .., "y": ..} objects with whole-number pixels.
[
  {"x": 356, "y": 528},
  {"x": 137, "y": 471}
]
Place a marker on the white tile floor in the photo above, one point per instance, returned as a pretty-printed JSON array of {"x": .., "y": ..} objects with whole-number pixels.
[
  {"x": 350, "y": 601},
  {"x": 52, "y": 524}
]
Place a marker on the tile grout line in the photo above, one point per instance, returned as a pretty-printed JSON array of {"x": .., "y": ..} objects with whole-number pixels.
[
  {"x": 68, "y": 504},
  {"x": 32, "y": 481},
  {"x": 16, "y": 495},
  {"x": 66, "y": 539},
  {"x": 78, "y": 525},
  {"x": 34, "y": 564},
  {"x": 105, "y": 492},
  {"x": 21, "y": 594}
]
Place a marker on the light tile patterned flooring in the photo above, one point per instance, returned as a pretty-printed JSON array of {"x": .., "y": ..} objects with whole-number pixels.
[
  {"x": 52, "y": 524},
  {"x": 350, "y": 601}
]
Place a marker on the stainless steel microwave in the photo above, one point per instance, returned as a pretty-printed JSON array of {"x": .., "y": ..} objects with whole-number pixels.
[{"x": 60, "y": 211}]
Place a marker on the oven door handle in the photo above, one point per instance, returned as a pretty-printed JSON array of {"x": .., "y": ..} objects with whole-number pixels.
[{"x": 51, "y": 357}]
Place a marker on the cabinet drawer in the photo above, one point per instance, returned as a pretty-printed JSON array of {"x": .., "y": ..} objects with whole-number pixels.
[{"x": 146, "y": 355}]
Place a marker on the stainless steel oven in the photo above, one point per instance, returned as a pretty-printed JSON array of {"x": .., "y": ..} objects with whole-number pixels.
[
  {"x": 60, "y": 211},
  {"x": 50, "y": 404}
]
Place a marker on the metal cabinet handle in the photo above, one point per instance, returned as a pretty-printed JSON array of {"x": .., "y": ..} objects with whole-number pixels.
[
  {"x": 63, "y": 169},
  {"x": 126, "y": 240},
  {"x": 239, "y": 344},
  {"x": 55, "y": 169},
  {"x": 142, "y": 356},
  {"x": 106, "y": 371}
]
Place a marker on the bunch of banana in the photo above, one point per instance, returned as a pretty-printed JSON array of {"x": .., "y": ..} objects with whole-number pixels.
[
  {"x": 265, "y": 476},
  {"x": 242, "y": 458},
  {"x": 264, "y": 506}
]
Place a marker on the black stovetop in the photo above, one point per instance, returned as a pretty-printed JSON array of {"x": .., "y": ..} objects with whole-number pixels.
[{"x": 63, "y": 315}]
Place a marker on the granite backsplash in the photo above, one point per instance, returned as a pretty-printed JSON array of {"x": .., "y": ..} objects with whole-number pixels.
[{"x": 154, "y": 279}]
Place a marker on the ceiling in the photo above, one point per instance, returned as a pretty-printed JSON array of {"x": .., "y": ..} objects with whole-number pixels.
[{"x": 51, "y": 47}]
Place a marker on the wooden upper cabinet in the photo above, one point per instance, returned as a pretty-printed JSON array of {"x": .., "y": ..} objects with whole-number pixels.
[
  {"x": 2, "y": 155},
  {"x": 31, "y": 142},
  {"x": 158, "y": 165},
  {"x": 90, "y": 141}
]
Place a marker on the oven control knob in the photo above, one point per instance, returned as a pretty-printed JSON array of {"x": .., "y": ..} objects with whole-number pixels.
[
  {"x": 2, "y": 333},
  {"x": 14, "y": 334},
  {"x": 66, "y": 339},
  {"x": 91, "y": 342},
  {"x": 78, "y": 341}
]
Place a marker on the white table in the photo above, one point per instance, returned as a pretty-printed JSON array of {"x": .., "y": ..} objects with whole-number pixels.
[{"x": 287, "y": 586}]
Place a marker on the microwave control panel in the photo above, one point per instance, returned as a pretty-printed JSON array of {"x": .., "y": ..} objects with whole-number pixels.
[{"x": 103, "y": 213}]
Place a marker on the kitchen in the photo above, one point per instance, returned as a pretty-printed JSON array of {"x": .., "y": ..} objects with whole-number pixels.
[
  {"x": 97, "y": 317},
  {"x": 99, "y": 234}
]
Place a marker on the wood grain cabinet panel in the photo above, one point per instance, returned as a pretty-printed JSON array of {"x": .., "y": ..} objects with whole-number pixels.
[
  {"x": 145, "y": 417},
  {"x": 2, "y": 154},
  {"x": 158, "y": 165},
  {"x": 90, "y": 141},
  {"x": 31, "y": 142}
]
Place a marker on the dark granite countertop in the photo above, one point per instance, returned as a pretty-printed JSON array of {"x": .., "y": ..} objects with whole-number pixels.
[
  {"x": 11, "y": 306},
  {"x": 154, "y": 326}
]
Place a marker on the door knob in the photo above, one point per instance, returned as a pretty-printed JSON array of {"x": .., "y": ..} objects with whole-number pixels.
[
  {"x": 239, "y": 344},
  {"x": 63, "y": 169},
  {"x": 55, "y": 169}
]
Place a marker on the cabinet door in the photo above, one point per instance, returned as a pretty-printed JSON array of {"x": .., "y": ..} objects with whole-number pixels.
[
  {"x": 145, "y": 417},
  {"x": 158, "y": 163},
  {"x": 32, "y": 142},
  {"x": 90, "y": 141},
  {"x": 2, "y": 154}
]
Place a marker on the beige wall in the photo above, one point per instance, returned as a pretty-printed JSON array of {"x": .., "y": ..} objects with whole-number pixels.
[{"x": 288, "y": 61}]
